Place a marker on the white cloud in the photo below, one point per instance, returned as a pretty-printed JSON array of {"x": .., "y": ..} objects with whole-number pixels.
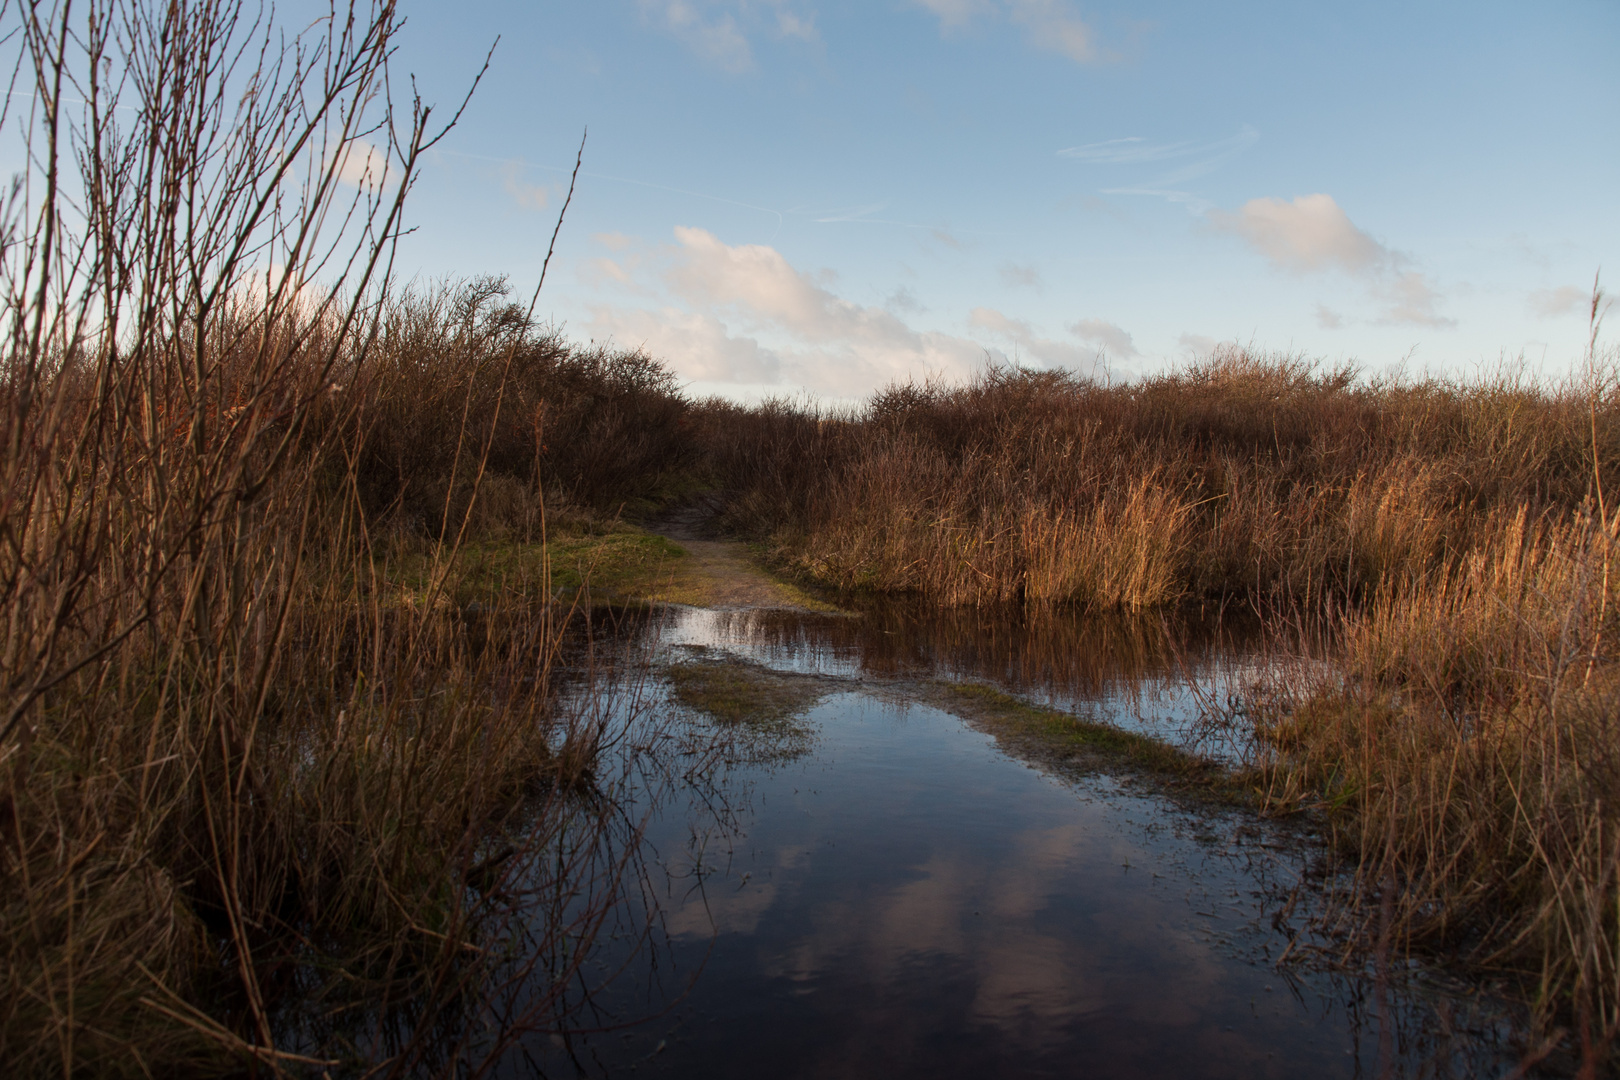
[
  {"x": 758, "y": 282},
  {"x": 1106, "y": 335},
  {"x": 1313, "y": 233},
  {"x": 1564, "y": 300},
  {"x": 1327, "y": 318},
  {"x": 598, "y": 270},
  {"x": 1030, "y": 345},
  {"x": 742, "y": 313},
  {"x": 527, "y": 195},
  {"x": 718, "y": 30},
  {"x": 1198, "y": 345},
  {"x": 613, "y": 241},
  {"x": 362, "y": 165},
  {"x": 1053, "y": 25},
  {"x": 1412, "y": 301},
  {"x": 1017, "y": 276},
  {"x": 717, "y": 40},
  {"x": 697, "y": 345},
  {"x": 998, "y": 323},
  {"x": 1309, "y": 233}
]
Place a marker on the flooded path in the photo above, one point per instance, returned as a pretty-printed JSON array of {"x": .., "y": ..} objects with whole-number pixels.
[{"x": 888, "y": 892}]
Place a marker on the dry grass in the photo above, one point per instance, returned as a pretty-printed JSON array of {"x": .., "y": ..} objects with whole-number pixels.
[
  {"x": 253, "y": 807},
  {"x": 1466, "y": 749},
  {"x": 254, "y": 811},
  {"x": 1450, "y": 540},
  {"x": 1250, "y": 477}
]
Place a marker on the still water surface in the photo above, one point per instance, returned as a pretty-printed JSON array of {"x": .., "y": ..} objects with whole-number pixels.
[{"x": 906, "y": 899}]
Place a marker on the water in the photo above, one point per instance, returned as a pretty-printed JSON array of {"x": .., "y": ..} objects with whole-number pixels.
[{"x": 906, "y": 899}]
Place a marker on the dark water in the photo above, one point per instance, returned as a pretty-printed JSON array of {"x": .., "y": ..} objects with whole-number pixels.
[{"x": 905, "y": 899}]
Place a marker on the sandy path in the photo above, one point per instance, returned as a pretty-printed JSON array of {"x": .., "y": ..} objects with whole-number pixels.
[{"x": 721, "y": 574}]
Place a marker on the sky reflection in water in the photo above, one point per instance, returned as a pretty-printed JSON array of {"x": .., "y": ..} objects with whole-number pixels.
[{"x": 907, "y": 900}]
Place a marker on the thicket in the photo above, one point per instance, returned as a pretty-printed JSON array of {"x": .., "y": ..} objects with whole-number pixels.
[
  {"x": 462, "y": 392},
  {"x": 257, "y": 810},
  {"x": 1244, "y": 477}
]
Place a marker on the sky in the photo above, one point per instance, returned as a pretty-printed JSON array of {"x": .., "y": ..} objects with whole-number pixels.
[{"x": 831, "y": 195}]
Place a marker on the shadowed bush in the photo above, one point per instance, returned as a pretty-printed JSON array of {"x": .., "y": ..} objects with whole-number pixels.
[{"x": 460, "y": 391}]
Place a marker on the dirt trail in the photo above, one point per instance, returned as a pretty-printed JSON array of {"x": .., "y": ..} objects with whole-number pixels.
[{"x": 721, "y": 574}]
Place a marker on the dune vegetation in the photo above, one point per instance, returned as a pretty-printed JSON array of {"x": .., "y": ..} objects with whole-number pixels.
[
  {"x": 288, "y": 572},
  {"x": 1453, "y": 543}
]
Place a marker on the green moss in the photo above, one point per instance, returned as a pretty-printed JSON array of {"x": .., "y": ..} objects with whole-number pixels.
[
  {"x": 762, "y": 707},
  {"x": 1072, "y": 743}
]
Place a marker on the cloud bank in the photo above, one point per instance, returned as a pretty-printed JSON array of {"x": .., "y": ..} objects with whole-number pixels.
[
  {"x": 741, "y": 313},
  {"x": 1312, "y": 233}
]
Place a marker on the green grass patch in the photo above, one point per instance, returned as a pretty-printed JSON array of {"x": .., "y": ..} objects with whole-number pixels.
[
  {"x": 760, "y": 706},
  {"x": 620, "y": 564},
  {"x": 624, "y": 563},
  {"x": 1073, "y": 743}
]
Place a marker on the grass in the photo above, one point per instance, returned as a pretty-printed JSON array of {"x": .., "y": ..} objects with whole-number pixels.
[
  {"x": 1463, "y": 746},
  {"x": 759, "y": 706},
  {"x": 622, "y": 563},
  {"x": 1452, "y": 542},
  {"x": 1076, "y": 744},
  {"x": 1264, "y": 479},
  {"x": 254, "y": 814},
  {"x": 611, "y": 564}
]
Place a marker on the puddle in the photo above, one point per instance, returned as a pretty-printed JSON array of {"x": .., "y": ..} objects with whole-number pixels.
[
  {"x": 899, "y": 897},
  {"x": 1156, "y": 677}
]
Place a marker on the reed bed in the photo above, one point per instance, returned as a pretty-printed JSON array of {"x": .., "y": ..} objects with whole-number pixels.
[
  {"x": 1463, "y": 747},
  {"x": 1259, "y": 478},
  {"x": 1451, "y": 543}
]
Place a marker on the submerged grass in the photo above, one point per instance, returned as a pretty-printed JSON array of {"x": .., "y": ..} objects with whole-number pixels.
[
  {"x": 1076, "y": 744},
  {"x": 761, "y": 708}
]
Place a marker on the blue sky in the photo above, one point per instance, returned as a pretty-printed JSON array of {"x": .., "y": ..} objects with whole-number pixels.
[{"x": 830, "y": 195}]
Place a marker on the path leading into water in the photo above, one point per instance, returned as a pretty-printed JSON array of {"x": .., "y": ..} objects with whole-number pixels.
[{"x": 721, "y": 574}]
